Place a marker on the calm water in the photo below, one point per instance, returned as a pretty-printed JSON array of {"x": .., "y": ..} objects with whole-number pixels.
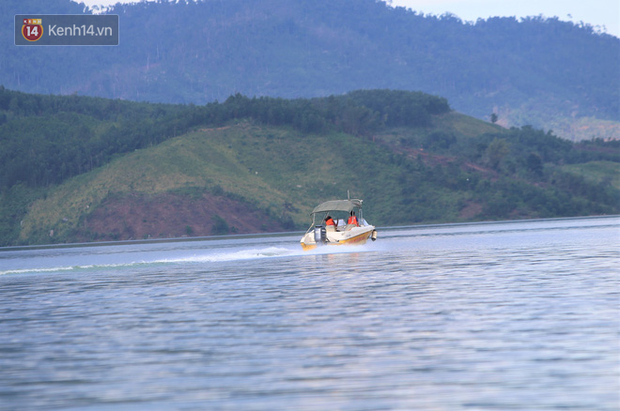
[{"x": 502, "y": 316}]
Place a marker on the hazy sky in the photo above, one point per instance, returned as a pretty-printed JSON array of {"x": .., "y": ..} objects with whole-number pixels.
[{"x": 594, "y": 12}]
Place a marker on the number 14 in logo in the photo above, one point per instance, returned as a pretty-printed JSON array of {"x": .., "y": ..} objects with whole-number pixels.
[{"x": 32, "y": 29}]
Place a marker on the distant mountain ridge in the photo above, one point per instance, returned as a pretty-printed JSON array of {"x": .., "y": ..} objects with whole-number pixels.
[{"x": 544, "y": 72}]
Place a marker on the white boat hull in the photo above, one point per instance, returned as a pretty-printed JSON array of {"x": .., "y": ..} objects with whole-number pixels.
[{"x": 354, "y": 236}]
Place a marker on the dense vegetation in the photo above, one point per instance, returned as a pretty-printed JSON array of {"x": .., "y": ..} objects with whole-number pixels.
[
  {"x": 512, "y": 175},
  {"x": 46, "y": 139},
  {"x": 533, "y": 71},
  {"x": 406, "y": 153}
]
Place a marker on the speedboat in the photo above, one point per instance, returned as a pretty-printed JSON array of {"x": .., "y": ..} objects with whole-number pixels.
[{"x": 347, "y": 225}]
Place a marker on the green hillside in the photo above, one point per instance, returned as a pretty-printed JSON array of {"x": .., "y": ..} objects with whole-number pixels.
[
  {"x": 82, "y": 169},
  {"x": 272, "y": 168},
  {"x": 599, "y": 172}
]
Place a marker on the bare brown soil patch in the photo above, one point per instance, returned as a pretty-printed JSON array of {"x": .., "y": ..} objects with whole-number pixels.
[
  {"x": 470, "y": 211},
  {"x": 138, "y": 216}
]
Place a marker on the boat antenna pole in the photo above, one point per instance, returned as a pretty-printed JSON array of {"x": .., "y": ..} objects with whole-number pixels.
[{"x": 348, "y": 195}]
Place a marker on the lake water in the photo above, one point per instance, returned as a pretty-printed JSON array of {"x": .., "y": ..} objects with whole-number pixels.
[{"x": 496, "y": 316}]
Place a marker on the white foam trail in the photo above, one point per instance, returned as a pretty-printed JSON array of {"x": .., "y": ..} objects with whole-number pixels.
[
  {"x": 213, "y": 257},
  {"x": 269, "y": 252},
  {"x": 232, "y": 256},
  {"x": 64, "y": 268},
  {"x": 36, "y": 270}
]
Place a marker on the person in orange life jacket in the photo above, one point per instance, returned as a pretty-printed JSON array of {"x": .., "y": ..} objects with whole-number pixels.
[
  {"x": 330, "y": 224},
  {"x": 353, "y": 220}
]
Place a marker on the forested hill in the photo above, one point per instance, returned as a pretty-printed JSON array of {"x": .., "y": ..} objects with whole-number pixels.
[
  {"x": 544, "y": 72},
  {"x": 46, "y": 139},
  {"x": 78, "y": 168}
]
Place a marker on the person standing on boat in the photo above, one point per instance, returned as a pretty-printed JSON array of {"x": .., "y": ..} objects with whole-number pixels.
[
  {"x": 352, "y": 222},
  {"x": 330, "y": 225}
]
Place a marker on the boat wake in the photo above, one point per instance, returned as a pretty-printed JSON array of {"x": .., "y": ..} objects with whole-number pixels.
[
  {"x": 213, "y": 257},
  {"x": 249, "y": 254},
  {"x": 72, "y": 263},
  {"x": 62, "y": 268}
]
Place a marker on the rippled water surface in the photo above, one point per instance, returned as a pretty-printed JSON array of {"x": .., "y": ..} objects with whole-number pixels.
[{"x": 501, "y": 316}]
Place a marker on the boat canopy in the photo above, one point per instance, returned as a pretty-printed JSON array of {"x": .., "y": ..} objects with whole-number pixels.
[{"x": 338, "y": 205}]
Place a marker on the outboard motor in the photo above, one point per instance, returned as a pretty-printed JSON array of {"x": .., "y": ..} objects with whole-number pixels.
[{"x": 320, "y": 234}]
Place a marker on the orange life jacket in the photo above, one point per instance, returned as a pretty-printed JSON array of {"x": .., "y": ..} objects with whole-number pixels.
[
  {"x": 330, "y": 221},
  {"x": 352, "y": 220}
]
